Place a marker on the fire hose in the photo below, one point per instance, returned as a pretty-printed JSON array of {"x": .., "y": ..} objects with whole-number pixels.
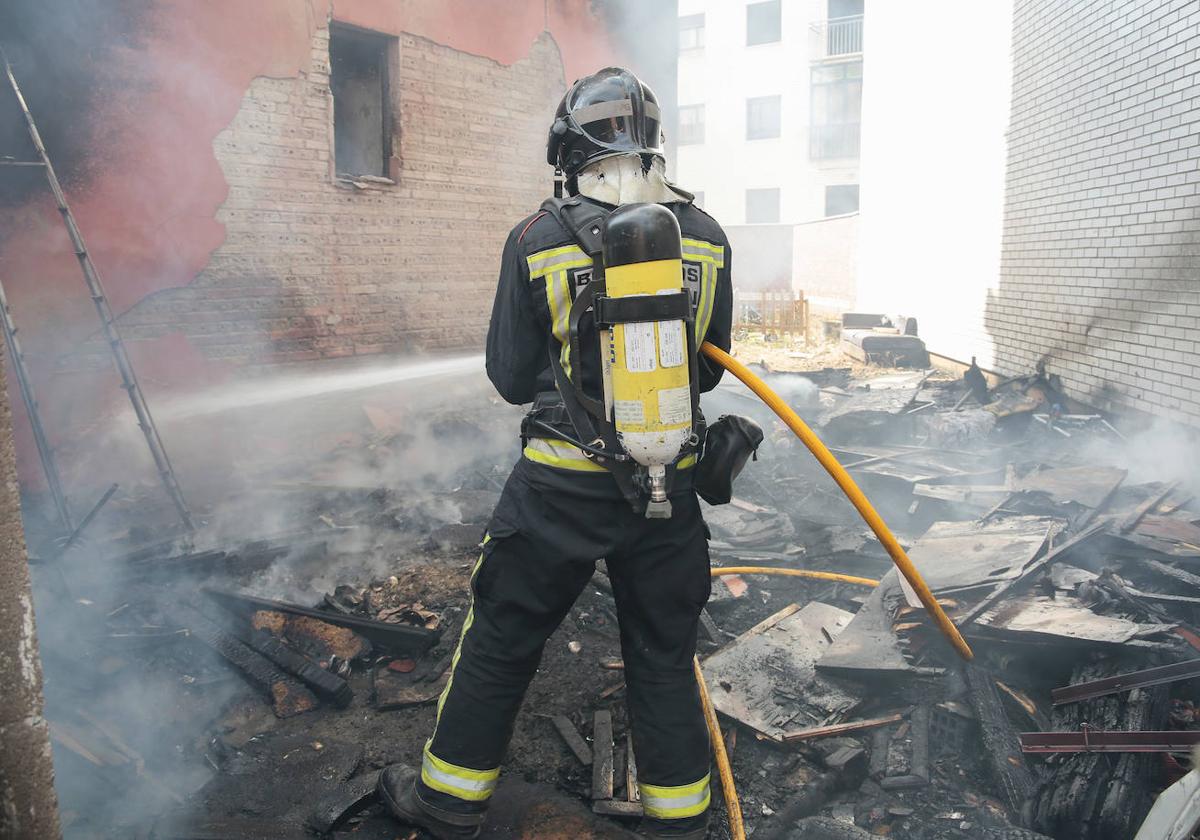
[
  {"x": 792, "y": 420},
  {"x": 809, "y": 438}
]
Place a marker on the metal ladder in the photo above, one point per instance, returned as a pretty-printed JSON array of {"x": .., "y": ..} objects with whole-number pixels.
[
  {"x": 107, "y": 321},
  {"x": 45, "y": 452}
]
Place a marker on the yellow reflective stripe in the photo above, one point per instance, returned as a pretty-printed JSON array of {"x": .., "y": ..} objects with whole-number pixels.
[
  {"x": 568, "y": 457},
  {"x": 459, "y": 782},
  {"x": 558, "y": 298},
  {"x": 553, "y": 259},
  {"x": 704, "y": 251},
  {"x": 703, "y": 303},
  {"x": 467, "y": 622},
  {"x": 675, "y": 802},
  {"x": 708, "y": 296},
  {"x": 559, "y": 454}
]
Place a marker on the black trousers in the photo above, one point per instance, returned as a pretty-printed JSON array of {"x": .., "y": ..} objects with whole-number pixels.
[{"x": 547, "y": 532}]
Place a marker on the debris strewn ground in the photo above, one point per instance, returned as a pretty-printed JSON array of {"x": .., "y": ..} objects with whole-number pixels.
[{"x": 251, "y": 684}]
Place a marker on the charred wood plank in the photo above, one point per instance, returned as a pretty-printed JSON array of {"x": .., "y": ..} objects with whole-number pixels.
[
  {"x": 1005, "y": 588},
  {"x": 840, "y": 728},
  {"x": 573, "y": 739},
  {"x": 288, "y": 695},
  {"x": 328, "y": 686},
  {"x": 401, "y": 637},
  {"x": 1179, "y": 575},
  {"x": 1130, "y": 522},
  {"x": 881, "y": 741},
  {"x": 1092, "y": 795},
  {"x": 602, "y": 756},
  {"x": 1000, "y": 740},
  {"x": 920, "y": 741}
]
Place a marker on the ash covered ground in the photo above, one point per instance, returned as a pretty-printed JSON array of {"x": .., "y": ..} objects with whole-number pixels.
[{"x": 364, "y": 499}]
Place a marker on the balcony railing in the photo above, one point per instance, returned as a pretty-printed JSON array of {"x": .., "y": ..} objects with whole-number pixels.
[
  {"x": 834, "y": 140},
  {"x": 837, "y": 37}
]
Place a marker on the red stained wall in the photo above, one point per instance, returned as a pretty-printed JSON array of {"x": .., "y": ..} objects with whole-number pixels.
[{"x": 148, "y": 211}]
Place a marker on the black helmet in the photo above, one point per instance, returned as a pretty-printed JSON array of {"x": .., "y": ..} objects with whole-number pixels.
[{"x": 610, "y": 112}]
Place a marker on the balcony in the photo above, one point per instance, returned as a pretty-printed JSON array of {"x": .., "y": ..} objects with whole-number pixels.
[{"x": 836, "y": 38}]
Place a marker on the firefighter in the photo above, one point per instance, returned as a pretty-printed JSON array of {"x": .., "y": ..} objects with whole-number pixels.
[{"x": 565, "y": 506}]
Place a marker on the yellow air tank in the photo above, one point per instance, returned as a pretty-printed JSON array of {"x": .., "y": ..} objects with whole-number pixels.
[{"x": 647, "y": 365}]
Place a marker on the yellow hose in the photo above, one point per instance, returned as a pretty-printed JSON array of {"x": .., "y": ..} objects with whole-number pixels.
[
  {"x": 804, "y": 573},
  {"x": 737, "y": 830},
  {"x": 844, "y": 481}
]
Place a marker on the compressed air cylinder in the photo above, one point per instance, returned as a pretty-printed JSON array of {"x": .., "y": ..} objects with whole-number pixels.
[{"x": 648, "y": 374}]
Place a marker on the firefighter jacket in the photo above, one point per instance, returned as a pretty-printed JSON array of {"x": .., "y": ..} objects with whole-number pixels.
[{"x": 542, "y": 270}]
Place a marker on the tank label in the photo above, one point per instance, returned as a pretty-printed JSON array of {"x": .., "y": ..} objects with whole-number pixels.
[
  {"x": 675, "y": 405},
  {"x": 629, "y": 412},
  {"x": 639, "y": 347},
  {"x": 670, "y": 343}
]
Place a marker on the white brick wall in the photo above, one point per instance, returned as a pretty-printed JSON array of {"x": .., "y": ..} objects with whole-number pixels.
[{"x": 1100, "y": 264}]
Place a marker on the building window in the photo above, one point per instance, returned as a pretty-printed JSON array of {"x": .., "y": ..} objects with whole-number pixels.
[
  {"x": 844, "y": 8},
  {"x": 836, "y": 110},
  {"x": 762, "y": 207},
  {"x": 362, "y": 118},
  {"x": 841, "y": 199},
  {"x": 762, "y": 117},
  {"x": 691, "y": 125},
  {"x": 691, "y": 32},
  {"x": 763, "y": 23}
]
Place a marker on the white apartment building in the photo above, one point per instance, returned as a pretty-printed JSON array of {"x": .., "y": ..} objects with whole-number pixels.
[{"x": 769, "y": 104}]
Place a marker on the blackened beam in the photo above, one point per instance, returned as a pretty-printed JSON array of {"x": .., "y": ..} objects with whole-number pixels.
[
  {"x": 289, "y": 695},
  {"x": 1126, "y": 682},
  {"x": 1099, "y": 740},
  {"x": 400, "y": 637},
  {"x": 1130, "y": 522},
  {"x": 325, "y": 684}
]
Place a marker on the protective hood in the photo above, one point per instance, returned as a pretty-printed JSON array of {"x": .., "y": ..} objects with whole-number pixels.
[{"x": 621, "y": 179}]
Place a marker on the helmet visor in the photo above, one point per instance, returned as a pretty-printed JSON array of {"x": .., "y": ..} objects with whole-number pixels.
[{"x": 613, "y": 125}]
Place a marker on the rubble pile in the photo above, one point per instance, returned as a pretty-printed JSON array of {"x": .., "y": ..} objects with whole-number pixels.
[{"x": 274, "y": 676}]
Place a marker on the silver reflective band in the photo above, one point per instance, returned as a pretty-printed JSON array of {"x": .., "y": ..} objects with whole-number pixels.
[
  {"x": 675, "y": 806},
  {"x": 457, "y": 781},
  {"x": 603, "y": 111}
]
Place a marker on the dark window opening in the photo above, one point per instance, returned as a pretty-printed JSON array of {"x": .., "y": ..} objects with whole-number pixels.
[
  {"x": 841, "y": 199},
  {"x": 762, "y": 206},
  {"x": 691, "y": 32},
  {"x": 691, "y": 125},
  {"x": 836, "y": 110},
  {"x": 362, "y": 118},
  {"x": 763, "y": 23},
  {"x": 762, "y": 117}
]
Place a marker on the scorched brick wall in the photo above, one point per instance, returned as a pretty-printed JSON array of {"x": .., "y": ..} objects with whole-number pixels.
[
  {"x": 1101, "y": 252},
  {"x": 314, "y": 268}
]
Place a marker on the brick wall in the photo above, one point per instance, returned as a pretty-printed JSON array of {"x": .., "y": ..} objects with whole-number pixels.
[
  {"x": 1100, "y": 266},
  {"x": 312, "y": 268}
]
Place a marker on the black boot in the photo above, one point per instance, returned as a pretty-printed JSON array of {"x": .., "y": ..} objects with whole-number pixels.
[{"x": 398, "y": 791}]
